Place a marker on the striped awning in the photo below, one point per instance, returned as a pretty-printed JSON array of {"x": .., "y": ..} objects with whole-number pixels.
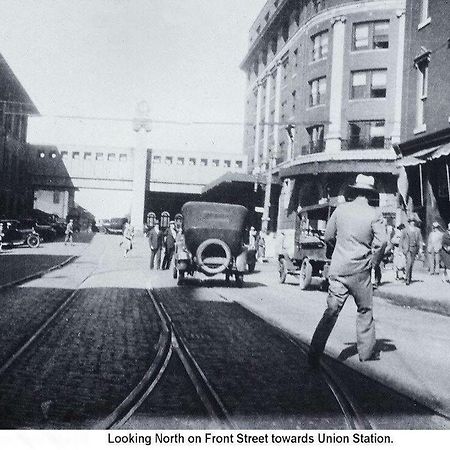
[{"x": 422, "y": 156}]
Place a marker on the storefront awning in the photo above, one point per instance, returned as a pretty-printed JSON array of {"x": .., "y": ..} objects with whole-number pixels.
[{"x": 425, "y": 155}]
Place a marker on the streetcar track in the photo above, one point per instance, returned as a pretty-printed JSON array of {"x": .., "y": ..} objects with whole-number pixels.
[
  {"x": 354, "y": 418},
  {"x": 44, "y": 326},
  {"x": 169, "y": 342},
  {"x": 38, "y": 274}
]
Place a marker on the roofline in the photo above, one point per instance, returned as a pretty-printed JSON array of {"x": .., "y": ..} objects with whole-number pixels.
[
  {"x": 5, "y": 66},
  {"x": 256, "y": 43}
]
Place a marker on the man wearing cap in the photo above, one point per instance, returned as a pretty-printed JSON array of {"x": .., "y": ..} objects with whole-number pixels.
[
  {"x": 358, "y": 230},
  {"x": 411, "y": 244},
  {"x": 434, "y": 246}
]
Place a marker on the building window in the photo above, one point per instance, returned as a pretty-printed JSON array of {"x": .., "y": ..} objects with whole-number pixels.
[
  {"x": 56, "y": 197},
  {"x": 203, "y": 162},
  {"x": 365, "y": 134},
  {"x": 111, "y": 156},
  {"x": 368, "y": 84},
  {"x": 169, "y": 160},
  {"x": 238, "y": 164},
  {"x": 227, "y": 163},
  {"x": 295, "y": 59},
  {"x": 180, "y": 161},
  {"x": 215, "y": 163},
  {"x": 318, "y": 5},
  {"x": 422, "y": 91},
  {"x": 64, "y": 155},
  {"x": 99, "y": 156},
  {"x": 157, "y": 159},
  {"x": 371, "y": 35},
  {"x": 88, "y": 156},
  {"x": 192, "y": 161},
  {"x": 123, "y": 157},
  {"x": 76, "y": 155},
  {"x": 316, "y": 140},
  {"x": 319, "y": 45},
  {"x": 317, "y": 91}
]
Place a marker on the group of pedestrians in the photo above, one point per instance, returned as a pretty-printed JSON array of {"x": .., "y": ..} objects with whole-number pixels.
[
  {"x": 257, "y": 243},
  {"x": 162, "y": 246},
  {"x": 407, "y": 244}
]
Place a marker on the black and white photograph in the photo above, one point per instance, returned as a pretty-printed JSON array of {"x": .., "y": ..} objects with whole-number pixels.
[{"x": 229, "y": 218}]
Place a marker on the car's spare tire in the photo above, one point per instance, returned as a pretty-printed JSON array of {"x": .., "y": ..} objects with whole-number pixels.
[{"x": 213, "y": 256}]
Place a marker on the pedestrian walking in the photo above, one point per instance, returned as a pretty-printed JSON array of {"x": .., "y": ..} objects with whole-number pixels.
[
  {"x": 434, "y": 246},
  {"x": 399, "y": 261},
  {"x": 155, "y": 239},
  {"x": 252, "y": 235},
  {"x": 411, "y": 244},
  {"x": 69, "y": 233},
  {"x": 445, "y": 254},
  {"x": 127, "y": 241},
  {"x": 262, "y": 247},
  {"x": 358, "y": 232},
  {"x": 169, "y": 245}
]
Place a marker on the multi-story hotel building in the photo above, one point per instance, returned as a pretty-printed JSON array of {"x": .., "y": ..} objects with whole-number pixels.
[
  {"x": 425, "y": 174},
  {"x": 324, "y": 99}
]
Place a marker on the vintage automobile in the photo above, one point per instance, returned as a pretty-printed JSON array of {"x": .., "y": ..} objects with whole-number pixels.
[
  {"x": 114, "y": 225},
  {"x": 15, "y": 233},
  {"x": 212, "y": 241},
  {"x": 312, "y": 255}
]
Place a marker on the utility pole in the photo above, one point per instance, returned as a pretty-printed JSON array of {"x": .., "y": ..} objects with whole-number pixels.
[
  {"x": 267, "y": 194},
  {"x": 142, "y": 126}
]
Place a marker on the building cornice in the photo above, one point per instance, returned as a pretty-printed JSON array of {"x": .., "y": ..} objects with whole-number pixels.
[{"x": 334, "y": 13}]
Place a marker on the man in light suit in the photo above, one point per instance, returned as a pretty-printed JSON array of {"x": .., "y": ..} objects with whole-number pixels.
[
  {"x": 411, "y": 244},
  {"x": 360, "y": 239}
]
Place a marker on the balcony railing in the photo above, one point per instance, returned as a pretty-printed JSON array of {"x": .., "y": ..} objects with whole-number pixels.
[
  {"x": 313, "y": 147},
  {"x": 366, "y": 144}
]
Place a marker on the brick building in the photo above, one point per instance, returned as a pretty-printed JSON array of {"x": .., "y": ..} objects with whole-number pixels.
[
  {"x": 324, "y": 97},
  {"x": 16, "y": 194},
  {"x": 425, "y": 180}
]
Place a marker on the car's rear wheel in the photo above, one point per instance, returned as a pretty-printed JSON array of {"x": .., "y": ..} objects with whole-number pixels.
[
  {"x": 33, "y": 240},
  {"x": 305, "y": 274}
]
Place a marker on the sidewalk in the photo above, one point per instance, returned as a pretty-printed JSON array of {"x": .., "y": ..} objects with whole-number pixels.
[
  {"x": 413, "y": 343},
  {"x": 426, "y": 292}
]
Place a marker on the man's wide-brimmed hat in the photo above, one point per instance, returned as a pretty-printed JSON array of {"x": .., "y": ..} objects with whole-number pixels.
[{"x": 364, "y": 182}]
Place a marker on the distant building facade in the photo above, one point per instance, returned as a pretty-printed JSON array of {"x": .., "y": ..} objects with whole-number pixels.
[
  {"x": 425, "y": 178},
  {"x": 324, "y": 97},
  {"x": 100, "y": 179},
  {"x": 16, "y": 193}
]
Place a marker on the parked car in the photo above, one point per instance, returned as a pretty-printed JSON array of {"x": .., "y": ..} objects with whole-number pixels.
[
  {"x": 212, "y": 241},
  {"x": 17, "y": 233},
  {"x": 114, "y": 225},
  {"x": 45, "y": 230},
  {"x": 312, "y": 256}
]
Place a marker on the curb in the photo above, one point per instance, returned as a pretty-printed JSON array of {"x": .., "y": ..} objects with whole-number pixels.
[{"x": 40, "y": 274}]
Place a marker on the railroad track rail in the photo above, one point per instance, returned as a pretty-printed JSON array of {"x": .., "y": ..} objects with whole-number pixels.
[
  {"x": 169, "y": 342},
  {"x": 38, "y": 274}
]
